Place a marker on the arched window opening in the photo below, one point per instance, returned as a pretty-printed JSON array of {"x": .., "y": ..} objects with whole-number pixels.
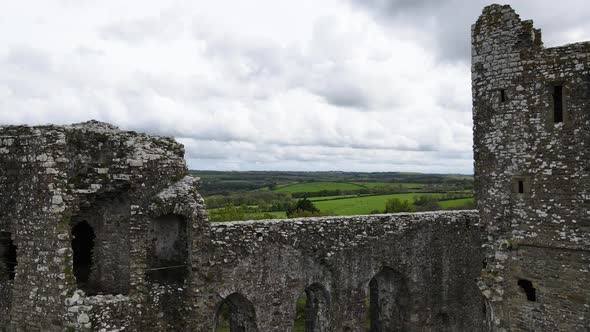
[
  {"x": 7, "y": 257},
  {"x": 168, "y": 250},
  {"x": 82, "y": 247},
  {"x": 388, "y": 302},
  {"x": 235, "y": 314},
  {"x": 529, "y": 290},
  {"x": 312, "y": 310}
]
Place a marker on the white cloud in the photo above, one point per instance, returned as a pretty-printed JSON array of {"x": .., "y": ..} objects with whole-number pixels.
[{"x": 265, "y": 84}]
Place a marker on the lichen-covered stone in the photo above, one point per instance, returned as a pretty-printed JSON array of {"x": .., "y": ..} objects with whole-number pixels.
[
  {"x": 55, "y": 177},
  {"x": 157, "y": 264},
  {"x": 532, "y": 174}
]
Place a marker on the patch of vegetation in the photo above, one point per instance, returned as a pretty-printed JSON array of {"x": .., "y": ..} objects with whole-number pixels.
[
  {"x": 299, "y": 325},
  {"x": 267, "y": 195},
  {"x": 223, "y": 319},
  {"x": 265, "y": 200},
  {"x": 394, "y": 205},
  {"x": 426, "y": 203},
  {"x": 233, "y": 213},
  {"x": 363, "y": 204},
  {"x": 310, "y": 187},
  {"x": 458, "y": 204},
  {"x": 303, "y": 208}
]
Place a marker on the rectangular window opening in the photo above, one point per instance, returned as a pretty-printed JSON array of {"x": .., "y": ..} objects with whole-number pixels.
[
  {"x": 558, "y": 104},
  {"x": 520, "y": 186},
  {"x": 502, "y": 95}
]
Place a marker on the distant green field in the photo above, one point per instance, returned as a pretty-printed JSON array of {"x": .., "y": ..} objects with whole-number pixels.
[
  {"x": 310, "y": 187},
  {"x": 391, "y": 184},
  {"x": 327, "y": 198},
  {"x": 362, "y": 205},
  {"x": 454, "y": 202},
  {"x": 352, "y": 205}
]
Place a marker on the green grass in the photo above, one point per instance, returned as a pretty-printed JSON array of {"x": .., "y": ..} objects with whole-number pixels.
[
  {"x": 454, "y": 202},
  {"x": 404, "y": 185},
  {"x": 299, "y": 324},
  {"x": 310, "y": 187},
  {"x": 277, "y": 214},
  {"x": 362, "y": 205},
  {"x": 327, "y": 198},
  {"x": 222, "y": 324}
]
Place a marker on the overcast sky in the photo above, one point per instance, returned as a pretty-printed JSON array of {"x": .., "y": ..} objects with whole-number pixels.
[{"x": 365, "y": 85}]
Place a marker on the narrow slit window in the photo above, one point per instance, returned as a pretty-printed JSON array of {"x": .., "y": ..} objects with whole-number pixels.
[
  {"x": 529, "y": 290},
  {"x": 558, "y": 103},
  {"x": 83, "y": 247},
  {"x": 7, "y": 256},
  {"x": 520, "y": 186},
  {"x": 502, "y": 95}
]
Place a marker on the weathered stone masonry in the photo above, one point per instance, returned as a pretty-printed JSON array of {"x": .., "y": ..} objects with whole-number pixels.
[
  {"x": 272, "y": 262},
  {"x": 111, "y": 234},
  {"x": 103, "y": 229},
  {"x": 54, "y": 179},
  {"x": 532, "y": 170}
]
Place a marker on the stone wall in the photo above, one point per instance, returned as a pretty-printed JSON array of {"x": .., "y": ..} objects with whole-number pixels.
[
  {"x": 111, "y": 235},
  {"x": 270, "y": 263},
  {"x": 54, "y": 177},
  {"x": 532, "y": 171}
]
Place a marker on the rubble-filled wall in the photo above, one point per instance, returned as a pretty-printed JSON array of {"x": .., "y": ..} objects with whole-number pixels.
[
  {"x": 102, "y": 229},
  {"x": 75, "y": 202},
  {"x": 430, "y": 259},
  {"x": 532, "y": 172}
]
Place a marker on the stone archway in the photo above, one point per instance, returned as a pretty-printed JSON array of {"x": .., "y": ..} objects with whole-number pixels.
[
  {"x": 389, "y": 300},
  {"x": 237, "y": 314},
  {"x": 313, "y": 309}
]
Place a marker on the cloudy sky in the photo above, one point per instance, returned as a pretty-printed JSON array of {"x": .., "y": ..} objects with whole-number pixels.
[{"x": 366, "y": 85}]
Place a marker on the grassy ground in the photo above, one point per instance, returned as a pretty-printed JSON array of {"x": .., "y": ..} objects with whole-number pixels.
[
  {"x": 454, "y": 202},
  {"x": 352, "y": 205},
  {"x": 299, "y": 324},
  {"x": 362, "y": 205},
  {"x": 328, "y": 198},
  {"x": 392, "y": 184},
  {"x": 310, "y": 187},
  {"x": 276, "y": 214}
]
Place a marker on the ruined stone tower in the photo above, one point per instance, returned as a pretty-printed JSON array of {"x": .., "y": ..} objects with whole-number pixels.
[
  {"x": 88, "y": 215},
  {"x": 531, "y": 112}
]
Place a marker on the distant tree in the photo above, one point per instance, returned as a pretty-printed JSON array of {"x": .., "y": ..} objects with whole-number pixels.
[
  {"x": 426, "y": 203},
  {"x": 394, "y": 205},
  {"x": 302, "y": 206}
]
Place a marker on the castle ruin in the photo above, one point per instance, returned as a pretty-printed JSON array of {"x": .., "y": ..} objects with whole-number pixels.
[
  {"x": 104, "y": 230},
  {"x": 531, "y": 114}
]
